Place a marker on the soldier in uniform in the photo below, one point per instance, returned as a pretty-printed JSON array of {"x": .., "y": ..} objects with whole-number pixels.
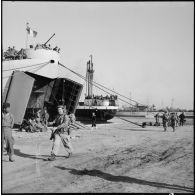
[
  {"x": 7, "y": 125},
  {"x": 93, "y": 118},
  {"x": 71, "y": 122},
  {"x": 45, "y": 117},
  {"x": 177, "y": 119},
  {"x": 165, "y": 119},
  {"x": 157, "y": 119},
  {"x": 60, "y": 134},
  {"x": 182, "y": 119},
  {"x": 173, "y": 121}
]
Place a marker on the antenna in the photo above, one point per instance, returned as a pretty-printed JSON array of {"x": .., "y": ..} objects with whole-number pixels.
[{"x": 49, "y": 39}]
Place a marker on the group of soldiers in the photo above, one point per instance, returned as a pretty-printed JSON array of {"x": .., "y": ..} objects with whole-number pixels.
[
  {"x": 13, "y": 54},
  {"x": 170, "y": 119},
  {"x": 37, "y": 122},
  {"x": 61, "y": 130},
  {"x": 44, "y": 46}
]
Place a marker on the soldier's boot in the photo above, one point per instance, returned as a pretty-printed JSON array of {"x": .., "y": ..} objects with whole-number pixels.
[
  {"x": 52, "y": 157},
  {"x": 11, "y": 159}
]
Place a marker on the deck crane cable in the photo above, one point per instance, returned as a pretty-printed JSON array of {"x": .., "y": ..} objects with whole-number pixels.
[{"x": 96, "y": 85}]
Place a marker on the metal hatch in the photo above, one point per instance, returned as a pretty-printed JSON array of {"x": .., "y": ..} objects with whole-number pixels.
[{"x": 18, "y": 93}]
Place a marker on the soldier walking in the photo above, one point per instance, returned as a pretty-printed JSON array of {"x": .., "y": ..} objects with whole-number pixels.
[
  {"x": 60, "y": 134},
  {"x": 165, "y": 119},
  {"x": 7, "y": 125}
]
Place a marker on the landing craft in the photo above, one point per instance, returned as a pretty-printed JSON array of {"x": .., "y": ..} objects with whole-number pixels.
[{"x": 32, "y": 80}]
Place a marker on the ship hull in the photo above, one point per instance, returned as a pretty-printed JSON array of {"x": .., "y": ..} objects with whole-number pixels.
[{"x": 101, "y": 114}]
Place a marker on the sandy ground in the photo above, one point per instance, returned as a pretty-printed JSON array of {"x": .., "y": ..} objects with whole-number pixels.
[{"x": 115, "y": 157}]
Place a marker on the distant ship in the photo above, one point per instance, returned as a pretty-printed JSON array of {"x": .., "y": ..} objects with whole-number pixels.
[{"x": 105, "y": 107}]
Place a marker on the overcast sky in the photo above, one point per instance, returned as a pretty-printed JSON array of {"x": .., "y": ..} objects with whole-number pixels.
[{"x": 143, "y": 48}]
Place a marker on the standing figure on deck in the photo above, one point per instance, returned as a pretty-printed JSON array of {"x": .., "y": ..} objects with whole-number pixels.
[
  {"x": 7, "y": 125},
  {"x": 173, "y": 120},
  {"x": 60, "y": 134},
  {"x": 165, "y": 118},
  {"x": 182, "y": 119},
  {"x": 93, "y": 119},
  {"x": 157, "y": 119}
]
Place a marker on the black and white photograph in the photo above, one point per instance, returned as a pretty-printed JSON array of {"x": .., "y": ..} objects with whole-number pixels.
[{"x": 97, "y": 97}]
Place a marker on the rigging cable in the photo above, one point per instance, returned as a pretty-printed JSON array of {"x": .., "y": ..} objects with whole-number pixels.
[
  {"x": 31, "y": 69},
  {"x": 104, "y": 87},
  {"x": 96, "y": 84}
]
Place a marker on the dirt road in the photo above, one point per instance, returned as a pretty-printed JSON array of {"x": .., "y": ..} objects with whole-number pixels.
[{"x": 116, "y": 157}]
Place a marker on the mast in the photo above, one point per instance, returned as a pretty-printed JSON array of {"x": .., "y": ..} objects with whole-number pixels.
[{"x": 90, "y": 72}]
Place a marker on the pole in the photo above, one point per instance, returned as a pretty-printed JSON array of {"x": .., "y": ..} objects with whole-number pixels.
[{"x": 27, "y": 35}]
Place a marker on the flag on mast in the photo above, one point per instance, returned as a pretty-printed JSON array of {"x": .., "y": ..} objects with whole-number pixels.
[{"x": 31, "y": 32}]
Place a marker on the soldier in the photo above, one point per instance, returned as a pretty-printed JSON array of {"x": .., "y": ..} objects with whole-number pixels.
[
  {"x": 173, "y": 121},
  {"x": 165, "y": 120},
  {"x": 60, "y": 133},
  {"x": 182, "y": 118},
  {"x": 157, "y": 119},
  {"x": 71, "y": 122},
  {"x": 38, "y": 122},
  {"x": 45, "y": 117},
  {"x": 93, "y": 118},
  {"x": 7, "y": 125},
  {"x": 177, "y": 119}
]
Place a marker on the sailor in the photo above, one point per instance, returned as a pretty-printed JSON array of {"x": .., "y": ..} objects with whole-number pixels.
[
  {"x": 173, "y": 121},
  {"x": 165, "y": 119},
  {"x": 7, "y": 125},
  {"x": 93, "y": 119},
  {"x": 60, "y": 134}
]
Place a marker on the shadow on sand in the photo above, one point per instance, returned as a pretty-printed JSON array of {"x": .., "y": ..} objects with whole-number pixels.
[
  {"x": 144, "y": 129},
  {"x": 113, "y": 178},
  {"x": 97, "y": 122},
  {"x": 17, "y": 152}
]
